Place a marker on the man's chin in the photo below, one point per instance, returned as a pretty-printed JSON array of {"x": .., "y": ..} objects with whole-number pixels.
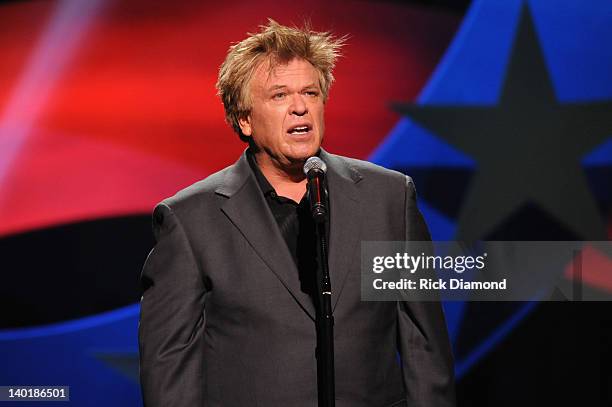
[{"x": 302, "y": 154}]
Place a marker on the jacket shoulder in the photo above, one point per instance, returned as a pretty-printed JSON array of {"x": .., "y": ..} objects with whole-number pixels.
[
  {"x": 196, "y": 194},
  {"x": 368, "y": 170}
]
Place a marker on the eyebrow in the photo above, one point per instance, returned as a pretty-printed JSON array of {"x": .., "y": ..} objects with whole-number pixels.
[{"x": 278, "y": 87}]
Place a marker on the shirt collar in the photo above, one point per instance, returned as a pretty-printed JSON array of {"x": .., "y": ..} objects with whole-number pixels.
[{"x": 263, "y": 182}]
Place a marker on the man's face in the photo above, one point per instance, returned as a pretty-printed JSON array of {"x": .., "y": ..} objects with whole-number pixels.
[{"x": 286, "y": 119}]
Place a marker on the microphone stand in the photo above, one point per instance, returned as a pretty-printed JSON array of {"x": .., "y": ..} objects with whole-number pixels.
[{"x": 324, "y": 318}]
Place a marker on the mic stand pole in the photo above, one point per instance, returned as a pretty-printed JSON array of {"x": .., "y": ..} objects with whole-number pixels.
[{"x": 324, "y": 322}]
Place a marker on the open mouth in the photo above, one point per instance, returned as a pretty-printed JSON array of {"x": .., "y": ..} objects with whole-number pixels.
[{"x": 301, "y": 129}]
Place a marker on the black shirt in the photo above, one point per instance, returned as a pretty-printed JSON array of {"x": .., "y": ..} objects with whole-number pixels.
[{"x": 296, "y": 227}]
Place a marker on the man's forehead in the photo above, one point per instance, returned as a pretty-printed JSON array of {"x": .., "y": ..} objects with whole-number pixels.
[{"x": 281, "y": 74}]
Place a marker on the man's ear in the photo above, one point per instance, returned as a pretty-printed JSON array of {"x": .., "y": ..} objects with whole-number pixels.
[{"x": 245, "y": 125}]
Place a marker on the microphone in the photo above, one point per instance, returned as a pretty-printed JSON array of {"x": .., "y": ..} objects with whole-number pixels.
[{"x": 315, "y": 169}]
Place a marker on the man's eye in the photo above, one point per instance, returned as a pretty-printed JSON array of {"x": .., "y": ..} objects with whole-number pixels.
[
  {"x": 312, "y": 93},
  {"x": 279, "y": 95}
]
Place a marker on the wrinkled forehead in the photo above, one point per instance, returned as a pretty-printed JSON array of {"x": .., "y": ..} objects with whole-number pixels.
[{"x": 271, "y": 72}]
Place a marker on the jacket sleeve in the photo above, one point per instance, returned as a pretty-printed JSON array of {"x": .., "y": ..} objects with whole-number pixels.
[
  {"x": 425, "y": 350},
  {"x": 172, "y": 319}
]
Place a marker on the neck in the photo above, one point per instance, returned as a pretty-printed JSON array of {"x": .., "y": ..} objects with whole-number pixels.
[{"x": 288, "y": 181}]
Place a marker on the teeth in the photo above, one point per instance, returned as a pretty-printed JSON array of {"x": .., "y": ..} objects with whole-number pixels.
[{"x": 301, "y": 129}]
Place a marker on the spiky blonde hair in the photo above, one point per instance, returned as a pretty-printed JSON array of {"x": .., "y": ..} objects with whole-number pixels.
[{"x": 277, "y": 44}]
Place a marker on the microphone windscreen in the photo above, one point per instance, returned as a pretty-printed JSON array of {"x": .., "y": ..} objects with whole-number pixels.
[{"x": 314, "y": 163}]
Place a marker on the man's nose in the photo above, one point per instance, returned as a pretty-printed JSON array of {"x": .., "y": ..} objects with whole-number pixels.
[{"x": 298, "y": 105}]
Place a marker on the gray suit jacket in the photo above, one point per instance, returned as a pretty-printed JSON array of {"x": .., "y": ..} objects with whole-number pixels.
[{"x": 223, "y": 319}]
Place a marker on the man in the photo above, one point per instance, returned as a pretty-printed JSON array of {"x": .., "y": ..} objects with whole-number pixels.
[{"x": 227, "y": 315}]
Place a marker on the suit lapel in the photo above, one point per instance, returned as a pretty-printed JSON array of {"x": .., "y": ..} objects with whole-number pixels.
[
  {"x": 345, "y": 215},
  {"x": 248, "y": 211}
]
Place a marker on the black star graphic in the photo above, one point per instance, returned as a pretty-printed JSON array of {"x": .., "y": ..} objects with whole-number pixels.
[
  {"x": 124, "y": 363},
  {"x": 528, "y": 147}
]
